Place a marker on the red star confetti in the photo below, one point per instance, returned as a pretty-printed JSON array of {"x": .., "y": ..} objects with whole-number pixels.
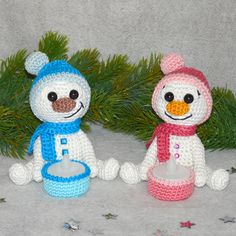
[{"x": 186, "y": 224}]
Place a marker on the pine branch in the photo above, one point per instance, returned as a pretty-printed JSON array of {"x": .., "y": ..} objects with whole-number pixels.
[
  {"x": 14, "y": 86},
  {"x": 113, "y": 68},
  {"x": 54, "y": 45},
  {"x": 15, "y": 130},
  {"x": 17, "y": 122},
  {"x": 87, "y": 62},
  {"x": 219, "y": 132},
  {"x": 121, "y": 97}
]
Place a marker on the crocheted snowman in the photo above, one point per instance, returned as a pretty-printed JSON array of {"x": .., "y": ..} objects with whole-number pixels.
[
  {"x": 183, "y": 100},
  {"x": 59, "y": 97}
]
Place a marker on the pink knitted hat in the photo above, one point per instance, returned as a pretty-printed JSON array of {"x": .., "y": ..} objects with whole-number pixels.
[{"x": 174, "y": 69}]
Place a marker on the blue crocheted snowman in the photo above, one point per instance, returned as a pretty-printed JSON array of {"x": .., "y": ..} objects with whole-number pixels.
[{"x": 59, "y": 97}]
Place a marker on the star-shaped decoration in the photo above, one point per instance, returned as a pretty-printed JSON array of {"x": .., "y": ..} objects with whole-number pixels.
[
  {"x": 110, "y": 216},
  {"x": 2, "y": 200},
  {"x": 232, "y": 170},
  {"x": 72, "y": 225},
  {"x": 186, "y": 224},
  {"x": 228, "y": 219}
]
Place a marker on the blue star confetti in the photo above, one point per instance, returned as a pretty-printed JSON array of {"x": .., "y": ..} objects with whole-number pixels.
[{"x": 72, "y": 225}]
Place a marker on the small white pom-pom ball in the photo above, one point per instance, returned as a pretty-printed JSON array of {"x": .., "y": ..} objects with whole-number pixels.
[
  {"x": 219, "y": 179},
  {"x": 108, "y": 169},
  {"x": 171, "y": 62},
  {"x": 19, "y": 174},
  {"x": 35, "y": 62},
  {"x": 129, "y": 173}
]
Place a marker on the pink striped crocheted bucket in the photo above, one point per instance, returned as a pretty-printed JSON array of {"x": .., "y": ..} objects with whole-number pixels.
[{"x": 170, "y": 190}]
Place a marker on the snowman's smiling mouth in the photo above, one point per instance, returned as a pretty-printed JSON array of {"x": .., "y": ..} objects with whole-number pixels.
[
  {"x": 81, "y": 106},
  {"x": 173, "y": 118}
]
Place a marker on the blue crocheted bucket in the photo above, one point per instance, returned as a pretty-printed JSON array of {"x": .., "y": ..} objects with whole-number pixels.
[{"x": 62, "y": 187}]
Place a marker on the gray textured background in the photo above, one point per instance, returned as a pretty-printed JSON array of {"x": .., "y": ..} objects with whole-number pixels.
[{"x": 203, "y": 31}]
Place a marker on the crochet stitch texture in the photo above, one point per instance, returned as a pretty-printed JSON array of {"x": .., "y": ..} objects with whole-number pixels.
[
  {"x": 170, "y": 190},
  {"x": 182, "y": 99},
  {"x": 60, "y": 97},
  {"x": 68, "y": 187}
]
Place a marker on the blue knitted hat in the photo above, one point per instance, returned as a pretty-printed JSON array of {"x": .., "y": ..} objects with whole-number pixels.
[
  {"x": 38, "y": 64},
  {"x": 47, "y": 73}
]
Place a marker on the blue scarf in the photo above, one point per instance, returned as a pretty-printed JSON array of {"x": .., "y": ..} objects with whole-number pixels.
[{"x": 47, "y": 132}]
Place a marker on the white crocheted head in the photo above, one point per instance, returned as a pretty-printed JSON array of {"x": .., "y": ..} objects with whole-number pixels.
[
  {"x": 183, "y": 96},
  {"x": 59, "y": 93}
]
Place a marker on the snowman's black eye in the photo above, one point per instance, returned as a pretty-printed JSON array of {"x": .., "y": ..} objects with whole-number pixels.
[
  {"x": 188, "y": 98},
  {"x": 52, "y": 96},
  {"x": 169, "y": 97},
  {"x": 74, "y": 94}
]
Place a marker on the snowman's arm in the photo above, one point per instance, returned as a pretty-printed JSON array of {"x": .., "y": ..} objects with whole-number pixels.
[
  {"x": 149, "y": 160},
  {"x": 37, "y": 160},
  {"x": 88, "y": 155},
  {"x": 199, "y": 164}
]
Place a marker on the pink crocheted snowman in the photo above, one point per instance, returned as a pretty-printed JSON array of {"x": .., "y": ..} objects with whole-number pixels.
[{"x": 183, "y": 100}]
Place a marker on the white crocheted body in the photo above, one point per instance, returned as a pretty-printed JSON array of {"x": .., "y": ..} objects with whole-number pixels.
[
  {"x": 187, "y": 151},
  {"x": 182, "y": 97},
  {"x": 78, "y": 147},
  {"x": 60, "y": 93}
]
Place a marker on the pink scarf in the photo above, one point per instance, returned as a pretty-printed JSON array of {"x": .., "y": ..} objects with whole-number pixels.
[{"x": 163, "y": 132}]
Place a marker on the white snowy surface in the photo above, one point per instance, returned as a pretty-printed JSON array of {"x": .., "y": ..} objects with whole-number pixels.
[{"x": 30, "y": 211}]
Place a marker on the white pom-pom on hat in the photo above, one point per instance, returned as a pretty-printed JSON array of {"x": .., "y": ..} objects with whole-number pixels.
[
  {"x": 35, "y": 62},
  {"x": 171, "y": 62}
]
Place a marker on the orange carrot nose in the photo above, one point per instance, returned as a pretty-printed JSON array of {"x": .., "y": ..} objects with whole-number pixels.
[{"x": 177, "y": 108}]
